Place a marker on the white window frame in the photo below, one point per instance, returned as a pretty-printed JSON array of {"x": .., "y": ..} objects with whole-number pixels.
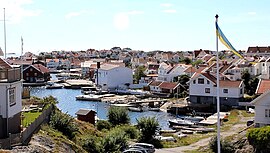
[{"x": 12, "y": 96}]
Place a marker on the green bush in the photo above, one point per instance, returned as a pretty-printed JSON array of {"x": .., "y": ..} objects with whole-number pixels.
[
  {"x": 92, "y": 144},
  {"x": 118, "y": 115},
  {"x": 130, "y": 131},
  {"x": 63, "y": 123},
  {"x": 225, "y": 146},
  {"x": 148, "y": 127},
  {"x": 259, "y": 138},
  {"x": 114, "y": 141},
  {"x": 103, "y": 124}
]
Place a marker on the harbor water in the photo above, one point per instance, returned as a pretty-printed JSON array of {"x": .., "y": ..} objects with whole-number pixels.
[{"x": 68, "y": 104}]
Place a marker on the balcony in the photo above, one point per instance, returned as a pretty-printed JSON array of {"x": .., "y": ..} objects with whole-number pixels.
[{"x": 11, "y": 75}]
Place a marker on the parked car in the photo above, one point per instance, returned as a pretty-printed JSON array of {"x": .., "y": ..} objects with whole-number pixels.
[{"x": 148, "y": 147}]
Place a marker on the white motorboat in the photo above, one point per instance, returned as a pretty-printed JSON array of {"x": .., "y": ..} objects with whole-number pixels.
[
  {"x": 180, "y": 122},
  {"x": 52, "y": 85},
  {"x": 89, "y": 97}
]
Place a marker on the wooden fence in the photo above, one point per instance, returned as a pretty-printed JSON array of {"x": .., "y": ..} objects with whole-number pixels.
[{"x": 25, "y": 135}]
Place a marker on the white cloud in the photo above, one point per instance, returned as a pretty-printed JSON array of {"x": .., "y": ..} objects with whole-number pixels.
[
  {"x": 169, "y": 11},
  {"x": 74, "y": 14},
  {"x": 135, "y": 12},
  {"x": 252, "y": 13},
  {"x": 121, "y": 21},
  {"x": 166, "y": 5},
  {"x": 15, "y": 11}
]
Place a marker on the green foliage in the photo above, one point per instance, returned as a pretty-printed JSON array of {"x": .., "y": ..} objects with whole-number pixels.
[
  {"x": 185, "y": 60},
  {"x": 197, "y": 62},
  {"x": 103, "y": 124},
  {"x": 259, "y": 138},
  {"x": 250, "y": 83},
  {"x": 118, "y": 115},
  {"x": 130, "y": 131},
  {"x": 225, "y": 146},
  {"x": 139, "y": 72},
  {"x": 115, "y": 141},
  {"x": 148, "y": 127},
  {"x": 63, "y": 123},
  {"x": 92, "y": 144}
]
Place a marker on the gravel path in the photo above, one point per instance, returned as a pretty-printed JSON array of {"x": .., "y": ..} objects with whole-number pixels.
[{"x": 204, "y": 142}]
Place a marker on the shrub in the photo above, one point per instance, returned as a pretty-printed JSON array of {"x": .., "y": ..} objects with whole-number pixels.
[
  {"x": 225, "y": 146},
  {"x": 115, "y": 141},
  {"x": 259, "y": 138},
  {"x": 148, "y": 127},
  {"x": 63, "y": 123},
  {"x": 130, "y": 131},
  {"x": 92, "y": 145},
  {"x": 103, "y": 124},
  {"x": 118, "y": 115}
]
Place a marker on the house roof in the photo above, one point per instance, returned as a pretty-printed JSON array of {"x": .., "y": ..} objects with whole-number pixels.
[
  {"x": 155, "y": 83},
  {"x": 107, "y": 66},
  {"x": 41, "y": 68},
  {"x": 84, "y": 111},
  {"x": 168, "y": 85},
  {"x": 230, "y": 84},
  {"x": 255, "y": 101},
  {"x": 4, "y": 65},
  {"x": 263, "y": 86},
  {"x": 258, "y": 49}
]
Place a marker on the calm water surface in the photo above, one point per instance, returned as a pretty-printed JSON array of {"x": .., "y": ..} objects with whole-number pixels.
[{"x": 69, "y": 104}]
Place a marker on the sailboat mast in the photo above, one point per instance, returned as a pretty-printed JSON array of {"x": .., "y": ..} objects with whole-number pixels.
[{"x": 5, "y": 40}]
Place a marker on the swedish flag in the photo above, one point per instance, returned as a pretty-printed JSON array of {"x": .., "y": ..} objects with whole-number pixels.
[{"x": 226, "y": 42}]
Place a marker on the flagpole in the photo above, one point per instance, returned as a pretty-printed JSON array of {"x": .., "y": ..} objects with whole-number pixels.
[
  {"x": 5, "y": 33},
  {"x": 218, "y": 102}
]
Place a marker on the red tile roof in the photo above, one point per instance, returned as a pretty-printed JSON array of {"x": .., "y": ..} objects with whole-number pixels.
[
  {"x": 41, "y": 68},
  {"x": 229, "y": 84},
  {"x": 168, "y": 85},
  {"x": 258, "y": 49},
  {"x": 263, "y": 86},
  {"x": 155, "y": 83},
  {"x": 4, "y": 65}
]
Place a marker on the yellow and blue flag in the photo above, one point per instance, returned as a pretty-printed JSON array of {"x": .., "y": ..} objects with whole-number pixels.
[{"x": 226, "y": 42}]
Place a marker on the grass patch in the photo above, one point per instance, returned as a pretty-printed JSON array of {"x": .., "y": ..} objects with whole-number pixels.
[
  {"x": 246, "y": 114},
  {"x": 232, "y": 120},
  {"x": 29, "y": 117},
  {"x": 190, "y": 139}
]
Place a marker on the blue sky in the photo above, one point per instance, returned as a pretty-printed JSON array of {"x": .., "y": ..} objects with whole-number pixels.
[{"x": 174, "y": 25}]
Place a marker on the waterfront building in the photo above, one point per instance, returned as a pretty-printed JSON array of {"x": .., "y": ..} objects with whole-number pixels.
[
  {"x": 36, "y": 73},
  {"x": 112, "y": 76},
  {"x": 202, "y": 89},
  {"x": 10, "y": 99}
]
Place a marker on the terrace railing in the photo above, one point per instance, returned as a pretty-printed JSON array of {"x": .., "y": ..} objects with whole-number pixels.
[{"x": 10, "y": 75}]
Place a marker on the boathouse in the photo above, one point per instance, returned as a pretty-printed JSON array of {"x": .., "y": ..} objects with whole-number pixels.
[{"x": 86, "y": 115}]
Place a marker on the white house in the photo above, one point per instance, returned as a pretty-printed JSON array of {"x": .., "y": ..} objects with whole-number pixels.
[
  {"x": 52, "y": 63},
  {"x": 202, "y": 89},
  {"x": 167, "y": 72},
  {"x": 262, "y": 109},
  {"x": 111, "y": 76},
  {"x": 10, "y": 99}
]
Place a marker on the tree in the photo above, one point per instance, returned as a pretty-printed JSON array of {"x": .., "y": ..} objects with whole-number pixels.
[
  {"x": 197, "y": 62},
  {"x": 91, "y": 144},
  {"x": 186, "y": 60},
  {"x": 139, "y": 72},
  {"x": 183, "y": 79},
  {"x": 103, "y": 124},
  {"x": 148, "y": 127},
  {"x": 250, "y": 83},
  {"x": 118, "y": 115}
]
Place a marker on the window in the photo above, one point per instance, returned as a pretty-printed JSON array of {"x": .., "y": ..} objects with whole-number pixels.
[
  {"x": 27, "y": 74},
  {"x": 266, "y": 112},
  {"x": 207, "y": 90},
  {"x": 194, "y": 81},
  {"x": 225, "y": 90},
  {"x": 208, "y": 82},
  {"x": 200, "y": 81},
  {"x": 31, "y": 69},
  {"x": 35, "y": 74},
  {"x": 241, "y": 91},
  {"x": 12, "y": 99}
]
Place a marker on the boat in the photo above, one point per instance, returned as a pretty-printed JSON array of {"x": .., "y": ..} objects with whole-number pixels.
[
  {"x": 154, "y": 109},
  {"x": 195, "y": 119},
  {"x": 137, "y": 109},
  {"x": 52, "y": 85},
  {"x": 89, "y": 97},
  {"x": 180, "y": 122}
]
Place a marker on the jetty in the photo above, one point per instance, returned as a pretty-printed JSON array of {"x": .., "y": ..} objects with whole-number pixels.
[{"x": 77, "y": 84}]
